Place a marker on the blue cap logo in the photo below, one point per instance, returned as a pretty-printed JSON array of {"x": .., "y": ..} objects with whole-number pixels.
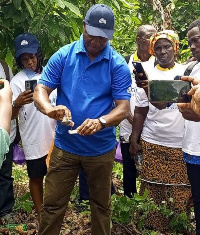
[
  {"x": 102, "y": 21},
  {"x": 24, "y": 42}
]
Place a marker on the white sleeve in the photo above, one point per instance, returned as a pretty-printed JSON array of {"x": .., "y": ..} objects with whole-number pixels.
[{"x": 141, "y": 98}]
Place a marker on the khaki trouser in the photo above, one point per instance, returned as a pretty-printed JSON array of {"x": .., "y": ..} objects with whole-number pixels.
[{"x": 63, "y": 171}]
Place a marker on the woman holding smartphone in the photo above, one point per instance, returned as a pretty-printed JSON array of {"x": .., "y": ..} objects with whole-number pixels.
[
  {"x": 161, "y": 126},
  {"x": 36, "y": 129}
]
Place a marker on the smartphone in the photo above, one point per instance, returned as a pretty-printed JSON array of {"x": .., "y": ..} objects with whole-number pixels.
[
  {"x": 139, "y": 69},
  {"x": 169, "y": 91},
  {"x": 30, "y": 84}
]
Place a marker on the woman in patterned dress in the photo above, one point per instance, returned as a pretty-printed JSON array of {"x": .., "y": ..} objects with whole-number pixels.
[{"x": 163, "y": 171}]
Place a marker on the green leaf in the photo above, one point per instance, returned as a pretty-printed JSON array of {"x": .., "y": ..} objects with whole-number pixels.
[
  {"x": 60, "y": 3},
  {"x": 26, "y": 196},
  {"x": 62, "y": 36},
  {"x": 17, "y": 3},
  {"x": 36, "y": 24},
  {"x": 29, "y": 8},
  {"x": 75, "y": 28},
  {"x": 136, "y": 20},
  {"x": 28, "y": 207},
  {"x": 34, "y": 1},
  {"x": 54, "y": 29},
  {"x": 116, "y": 4},
  {"x": 18, "y": 17},
  {"x": 137, "y": 197},
  {"x": 73, "y": 8},
  {"x": 125, "y": 3},
  {"x": 9, "y": 58},
  {"x": 185, "y": 51}
]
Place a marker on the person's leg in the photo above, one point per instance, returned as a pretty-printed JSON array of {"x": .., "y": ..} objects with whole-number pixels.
[
  {"x": 99, "y": 171},
  {"x": 36, "y": 190},
  {"x": 83, "y": 186},
  {"x": 62, "y": 174},
  {"x": 194, "y": 178},
  {"x": 6, "y": 184},
  {"x": 129, "y": 171},
  {"x": 84, "y": 189},
  {"x": 36, "y": 169}
]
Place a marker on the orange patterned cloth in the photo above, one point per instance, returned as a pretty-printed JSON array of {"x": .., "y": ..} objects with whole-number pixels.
[
  {"x": 49, "y": 154},
  {"x": 171, "y": 35}
]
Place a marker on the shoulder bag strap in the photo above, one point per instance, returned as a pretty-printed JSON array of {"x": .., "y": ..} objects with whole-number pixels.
[{"x": 190, "y": 68}]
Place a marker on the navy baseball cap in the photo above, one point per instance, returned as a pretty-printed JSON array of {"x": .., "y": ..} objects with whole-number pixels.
[
  {"x": 26, "y": 43},
  {"x": 100, "y": 21}
]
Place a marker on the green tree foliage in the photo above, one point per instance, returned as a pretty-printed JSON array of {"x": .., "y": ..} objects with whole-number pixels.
[
  {"x": 58, "y": 22},
  {"x": 54, "y": 22},
  {"x": 184, "y": 13}
]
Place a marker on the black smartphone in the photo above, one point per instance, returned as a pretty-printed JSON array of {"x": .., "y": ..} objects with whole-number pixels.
[
  {"x": 30, "y": 84},
  {"x": 139, "y": 69},
  {"x": 169, "y": 91}
]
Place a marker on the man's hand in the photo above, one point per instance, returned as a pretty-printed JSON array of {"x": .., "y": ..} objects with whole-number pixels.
[
  {"x": 195, "y": 92},
  {"x": 5, "y": 92},
  {"x": 89, "y": 127},
  {"x": 59, "y": 112},
  {"x": 25, "y": 97}
]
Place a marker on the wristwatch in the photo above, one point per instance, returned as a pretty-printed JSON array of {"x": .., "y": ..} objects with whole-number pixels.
[{"x": 103, "y": 122}]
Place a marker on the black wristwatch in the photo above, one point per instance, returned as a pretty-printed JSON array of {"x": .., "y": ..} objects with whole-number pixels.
[{"x": 103, "y": 122}]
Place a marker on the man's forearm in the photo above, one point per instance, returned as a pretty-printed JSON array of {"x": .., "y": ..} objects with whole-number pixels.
[
  {"x": 118, "y": 114},
  {"x": 44, "y": 106},
  {"x": 41, "y": 99}
]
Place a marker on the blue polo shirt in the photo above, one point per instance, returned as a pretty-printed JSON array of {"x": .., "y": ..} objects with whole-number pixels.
[{"x": 88, "y": 89}]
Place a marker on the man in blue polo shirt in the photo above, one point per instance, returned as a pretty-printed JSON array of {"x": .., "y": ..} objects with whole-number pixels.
[{"x": 92, "y": 82}]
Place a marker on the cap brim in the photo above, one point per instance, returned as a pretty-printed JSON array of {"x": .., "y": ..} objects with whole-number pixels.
[
  {"x": 105, "y": 33},
  {"x": 31, "y": 50}
]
